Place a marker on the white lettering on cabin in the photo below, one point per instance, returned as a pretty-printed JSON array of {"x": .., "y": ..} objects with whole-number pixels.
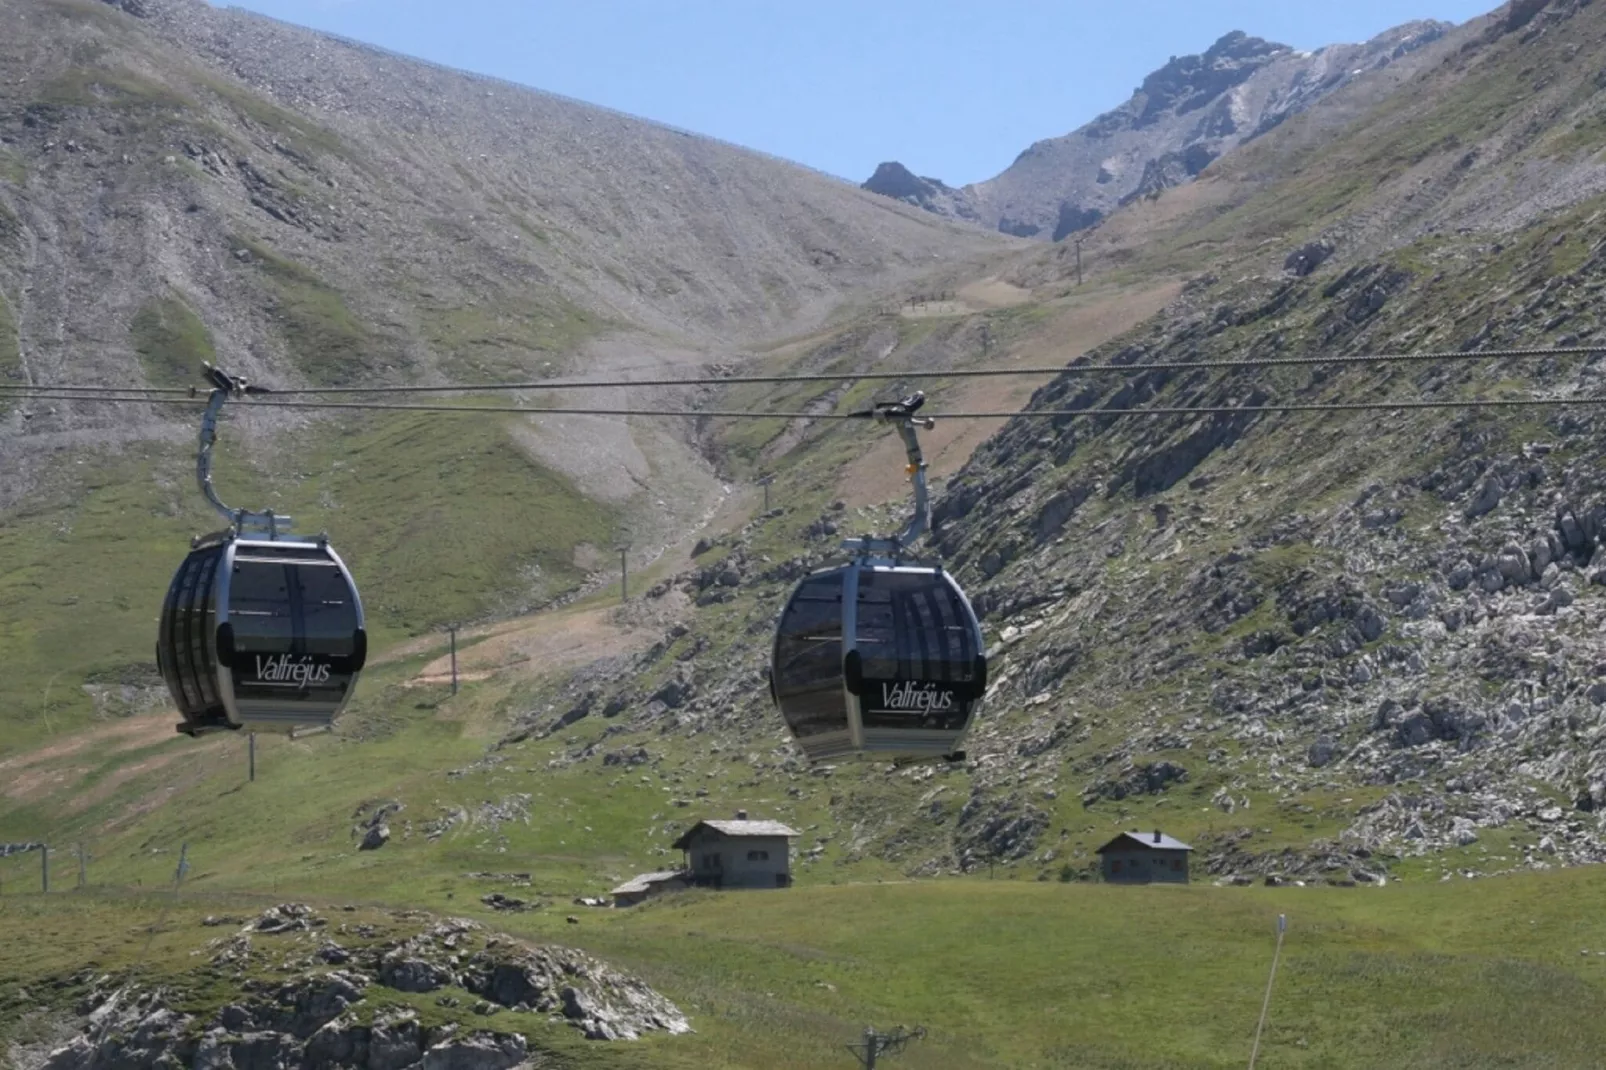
[
  {"x": 281, "y": 670},
  {"x": 908, "y": 695}
]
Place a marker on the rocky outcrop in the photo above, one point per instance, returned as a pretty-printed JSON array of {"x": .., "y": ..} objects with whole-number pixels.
[
  {"x": 315, "y": 1020},
  {"x": 893, "y": 179}
]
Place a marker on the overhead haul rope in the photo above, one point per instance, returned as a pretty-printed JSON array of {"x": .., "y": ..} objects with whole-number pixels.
[
  {"x": 837, "y": 377},
  {"x": 748, "y": 414}
]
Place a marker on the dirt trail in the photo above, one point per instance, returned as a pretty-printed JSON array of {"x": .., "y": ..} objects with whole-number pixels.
[
  {"x": 58, "y": 769},
  {"x": 110, "y": 737},
  {"x": 878, "y": 475},
  {"x": 556, "y": 640}
]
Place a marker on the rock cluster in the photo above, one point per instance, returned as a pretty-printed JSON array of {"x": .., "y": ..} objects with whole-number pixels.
[{"x": 326, "y": 1019}]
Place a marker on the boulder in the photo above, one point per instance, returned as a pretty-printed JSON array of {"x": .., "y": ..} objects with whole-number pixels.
[
  {"x": 413, "y": 974},
  {"x": 1487, "y": 498},
  {"x": 479, "y": 1051},
  {"x": 340, "y": 1043},
  {"x": 265, "y": 1051},
  {"x": 1307, "y": 258},
  {"x": 395, "y": 1044},
  {"x": 286, "y": 918},
  {"x": 1321, "y": 753}
]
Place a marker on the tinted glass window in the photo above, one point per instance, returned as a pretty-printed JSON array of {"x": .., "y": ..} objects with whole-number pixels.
[
  {"x": 808, "y": 658},
  {"x": 914, "y": 626},
  {"x": 259, "y": 605},
  {"x": 186, "y": 651},
  {"x": 303, "y": 607},
  {"x": 175, "y": 636},
  {"x": 327, "y": 606},
  {"x": 202, "y": 629},
  {"x": 918, "y": 642}
]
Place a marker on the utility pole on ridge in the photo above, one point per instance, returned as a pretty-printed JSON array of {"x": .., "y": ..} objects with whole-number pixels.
[{"x": 452, "y": 628}]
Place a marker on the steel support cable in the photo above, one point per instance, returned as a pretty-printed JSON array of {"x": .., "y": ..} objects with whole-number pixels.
[
  {"x": 971, "y": 373},
  {"x": 748, "y": 414},
  {"x": 888, "y": 376}
]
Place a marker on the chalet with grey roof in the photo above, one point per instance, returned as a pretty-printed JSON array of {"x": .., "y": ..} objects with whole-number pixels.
[
  {"x": 1145, "y": 858},
  {"x": 739, "y": 853}
]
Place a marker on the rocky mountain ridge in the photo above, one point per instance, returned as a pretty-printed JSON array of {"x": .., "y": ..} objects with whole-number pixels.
[{"x": 1184, "y": 116}]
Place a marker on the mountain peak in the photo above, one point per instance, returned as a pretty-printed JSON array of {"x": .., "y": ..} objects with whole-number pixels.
[
  {"x": 1185, "y": 115},
  {"x": 893, "y": 179},
  {"x": 1187, "y": 83}
]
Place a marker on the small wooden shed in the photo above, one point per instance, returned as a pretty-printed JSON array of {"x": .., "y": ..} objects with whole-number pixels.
[
  {"x": 1145, "y": 858},
  {"x": 647, "y": 885}
]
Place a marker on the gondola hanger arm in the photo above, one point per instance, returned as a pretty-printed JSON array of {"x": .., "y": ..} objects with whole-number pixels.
[
  {"x": 225, "y": 386},
  {"x": 901, "y": 413}
]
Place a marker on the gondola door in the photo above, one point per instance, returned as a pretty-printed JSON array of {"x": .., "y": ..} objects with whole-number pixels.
[
  {"x": 915, "y": 671},
  {"x": 292, "y": 641}
]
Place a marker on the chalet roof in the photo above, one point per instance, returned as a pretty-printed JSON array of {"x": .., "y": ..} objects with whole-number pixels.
[
  {"x": 737, "y": 828},
  {"x": 1154, "y": 841},
  {"x": 644, "y": 882}
]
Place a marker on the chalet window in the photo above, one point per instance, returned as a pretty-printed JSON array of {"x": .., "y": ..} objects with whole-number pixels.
[
  {"x": 758, "y": 856},
  {"x": 1115, "y": 866},
  {"x": 1176, "y": 865}
]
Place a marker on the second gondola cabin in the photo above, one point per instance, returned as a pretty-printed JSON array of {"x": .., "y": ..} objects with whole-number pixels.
[
  {"x": 881, "y": 659},
  {"x": 262, "y": 634}
]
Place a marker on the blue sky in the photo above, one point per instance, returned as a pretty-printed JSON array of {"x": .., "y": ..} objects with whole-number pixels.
[{"x": 954, "y": 90}]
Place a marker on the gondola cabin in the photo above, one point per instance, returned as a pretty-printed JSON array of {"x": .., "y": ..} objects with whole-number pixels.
[
  {"x": 262, "y": 634},
  {"x": 881, "y": 659}
]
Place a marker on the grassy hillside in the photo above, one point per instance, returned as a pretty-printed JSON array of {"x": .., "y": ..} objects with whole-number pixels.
[{"x": 1007, "y": 974}]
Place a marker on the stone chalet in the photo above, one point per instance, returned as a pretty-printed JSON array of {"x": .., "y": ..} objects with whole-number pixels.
[
  {"x": 738, "y": 853},
  {"x": 1145, "y": 858}
]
